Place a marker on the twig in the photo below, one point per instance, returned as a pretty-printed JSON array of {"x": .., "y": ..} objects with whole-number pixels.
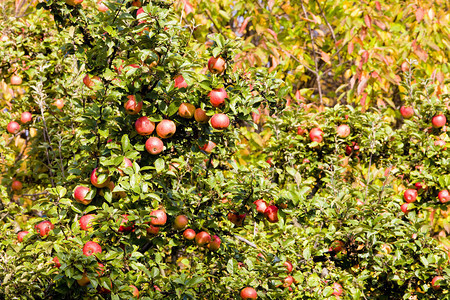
[
  {"x": 240, "y": 238},
  {"x": 212, "y": 20},
  {"x": 319, "y": 85},
  {"x": 37, "y": 194},
  {"x": 384, "y": 183},
  {"x": 329, "y": 26},
  {"x": 370, "y": 161}
]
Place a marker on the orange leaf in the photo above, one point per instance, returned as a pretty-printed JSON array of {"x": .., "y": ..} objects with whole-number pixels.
[
  {"x": 350, "y": 47},
  {"x": 378, "y": 5},
  {"x": 363, "y": 101},
  {"x": 272, "y": 33},
  {"x": 325, "y": 57},
  {"x": 380, "y": 24},
  {"x": 244, "y": 25},
  {"x": 420, "y": 13},
  {"x": 422, "y": 54},
  {"x": 188, "y": 8},
  {"x": 363, "y": 33},
  {"x": 365, "y": 56},
  {"x": 362, "y": 85},
  {"x": 440, "y": 76},
  {"x": 368, "y": 21}
]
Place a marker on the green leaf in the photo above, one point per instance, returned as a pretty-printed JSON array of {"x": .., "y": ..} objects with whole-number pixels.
[
  {"x": 125, "y": 141},
  {"x": 231, "y": 266},
  {"x": 159, "y": 165},
  {"x": 307, "y": 253}
]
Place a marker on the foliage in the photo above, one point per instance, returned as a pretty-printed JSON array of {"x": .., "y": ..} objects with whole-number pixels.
[
  {"x": 333, "y": 51},
  {"x": 327, "y": 196}
]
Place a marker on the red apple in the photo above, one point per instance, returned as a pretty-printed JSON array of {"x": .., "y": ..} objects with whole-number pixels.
[
  {"x": 16, "y": 80},
  {"x": 86, "y": 221},
  {"x": 74, "y": 3},
  {"x": 166, "y": 129},
  {"x": 288, "y": 281},
  {"x": 84, "y": 280},
  {"x": 407, "y": 112},
  {"x": 216, "y": 65},
  {"x": 220, "y": 121},
  {"x": 153, "y": 230},
  {"x": 208, "y": 147},
  {"x": 126, "y": 163},
  {"x": 288, "y": 266},
  {"x": 144, "y": 126},
  {"x": 189, "y": 234},
  {"x": 135, "y": 291},
  {"x": 214, "y": 245},
  {"x": 139, "y": 11},
  {"x": 180, "y": 82},
  {"x": 180, "y": 222},
  {"x": 200, "y": 116},
  {"x": 343, "y": 130},
  {"x": 271, "y": 214},
  {"x": 337, "y": 289},
  {"x": 236, "y": 218},
  {"x": 410, "y": 195},
  {"x": 186, "y": 110},
  {"x": 435, "y": 282},
  {"x": 13, "y": 127},
  {"x": 94, "y": 179},
  {"x": 21, "y": 235},
  {"x": 404, "y": 208},
  {"x": 337, "y": 246},
  {"x": 26, "y": 117},
  {"x": 217, "y": 97},
  {"x": 101, "y": 6},
  {"x": 202, "y": 238},
  {"x": 261, "y": 205},
  {"x": 156, "y": 288},
  {"x": 316, "y": 135},
  {"x": 89, "y": 82},
  {"x": 440, "y": 143},
  {"x": 159, "y": 217},
  {"x": 301, "y": 130},
  {"x": 438, "y": 121},
  {"x": 260, "y": 257},
  {"x": 125, "y": 225},
  {"x": 16, "y": 185},
  {"x": 56, "y": 262},
  {"x": 444, "y": 196},
  {"x": 91, "y": 247},
  {"x": 154, "y": 145},
  {"x": 44, "y": 228},
  {"x": 103, "y": 290},
  {"x": 248, "y": 293},
  {"x": 79, "y": 193},
  {"x": 59, "y": 103},
  {"x": 132, "y": 107},
  {"x": 419, "y": 186}
]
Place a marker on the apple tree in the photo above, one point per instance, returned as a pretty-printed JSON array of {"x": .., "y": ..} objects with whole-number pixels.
[{"x": 147, "y": 171}]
